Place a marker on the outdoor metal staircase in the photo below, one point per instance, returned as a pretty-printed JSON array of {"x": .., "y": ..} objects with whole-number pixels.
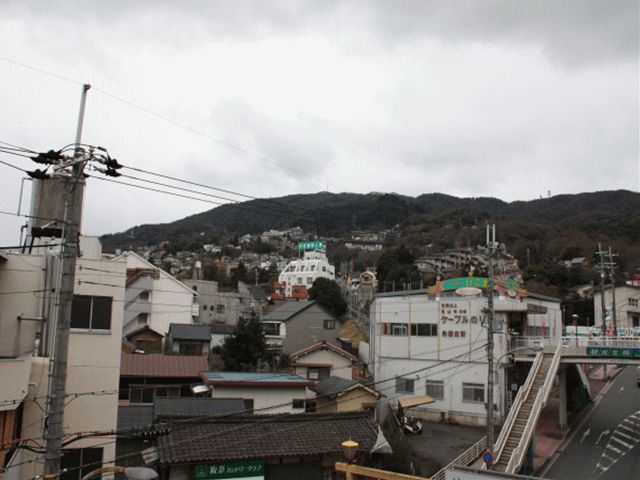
[{"x": 516, "y": 433}]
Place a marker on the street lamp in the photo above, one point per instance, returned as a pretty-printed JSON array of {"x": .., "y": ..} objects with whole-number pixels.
[
  {"x": 132, "y": 473},
  {"x": 349, "y": 448}
]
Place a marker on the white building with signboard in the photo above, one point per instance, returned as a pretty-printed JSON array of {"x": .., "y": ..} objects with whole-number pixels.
[
  {"x": 303, "y": 271},
  {"x": 420, "y": 344}
]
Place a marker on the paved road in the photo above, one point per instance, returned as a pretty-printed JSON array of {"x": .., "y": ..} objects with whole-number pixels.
[{"x": 607, "y": 445}]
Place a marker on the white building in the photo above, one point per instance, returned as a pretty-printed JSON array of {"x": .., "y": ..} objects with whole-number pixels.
[
  {"x": 627, "y": 306},
  {"x": 422, "y": 345},
  {"x": 303, "y": 271},
  {"x": 154, "y": 298},
  {"x": 26, "y": 342}
]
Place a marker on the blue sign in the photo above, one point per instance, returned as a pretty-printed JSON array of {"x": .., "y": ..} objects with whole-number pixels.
[{"x": 487, "y": 457}]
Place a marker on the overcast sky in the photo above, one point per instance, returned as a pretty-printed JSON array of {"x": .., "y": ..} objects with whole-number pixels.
[{"x": 470, "y": 98}]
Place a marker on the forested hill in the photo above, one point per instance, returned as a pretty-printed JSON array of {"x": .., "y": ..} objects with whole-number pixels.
[{"x": 574, "y": 220}]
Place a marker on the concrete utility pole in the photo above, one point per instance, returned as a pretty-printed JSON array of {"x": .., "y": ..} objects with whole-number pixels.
[
  {"x": 70, "y": 238},
  {"x": 601, "y": 269},
  {"x": 491, "y": 242},
  {"x": 612, "y": 276}
]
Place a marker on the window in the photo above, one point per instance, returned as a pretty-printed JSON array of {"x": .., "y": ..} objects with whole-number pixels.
[
  {"x": 143, "y": 318},
  {"x": 299, "y": 280},
  {"x": 473, "y": 392},
  {"x": 324, "y": 269},
  {"x": 248, "y": 404},
  {"x": 308, "y": 405},
  {"x": 90, "y": 458},
  {"x": 309, "y": 281},
  {"x": 435, "y": 389},
  {"x": 395, "y": 329},
  {"x": 190, "y": 348},
  {"x": 271, "y": 328},
  {"x": 633, "y": 302},
  {"x": 404, "y": 385},
  {"x": 204, "y": 308},
  {"x": 318, "y": 373},
  {"x": 219, "y": 308},
  {"x": 329, "y": 324},
  {"x": 424, "y": 329},
  {"x": 91, "y": 313},
  {"x": 144, "y": 296},
  {"x": 313, "y": 268}
]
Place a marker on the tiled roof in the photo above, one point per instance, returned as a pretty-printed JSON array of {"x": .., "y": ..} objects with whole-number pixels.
[
  {"x": 332, "y": 386},
  {"x": 322, "y": 346},
  {"x": 287, "y": 310},
  {"x": 222, "y": 329},
  {"x": 158, "y": 365},
  {"x": 249, "y": 379},
  {"x": 182, "y": 331},
  {"x": 266, "y": 436},
  {"x": 197, "y": 406}
]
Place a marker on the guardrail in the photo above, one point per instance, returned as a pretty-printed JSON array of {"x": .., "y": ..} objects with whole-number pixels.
[
  {"x": 577, "y": 341},
  {"x": 541, "y": 399},
  {"x": 468, "y": 456},
  {"x": 523, "y": 393}
]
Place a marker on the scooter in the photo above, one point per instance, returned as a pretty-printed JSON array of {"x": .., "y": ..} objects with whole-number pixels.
[{"x": 412, "y": 425}]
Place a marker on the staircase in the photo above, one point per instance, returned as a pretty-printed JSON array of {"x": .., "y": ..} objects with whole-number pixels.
[{"x": 517, "y": 431}]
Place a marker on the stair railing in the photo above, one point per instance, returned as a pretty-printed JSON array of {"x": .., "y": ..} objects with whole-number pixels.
[
  {"x": 521, "y": 396},
  {"x": 541, "y": 400}
]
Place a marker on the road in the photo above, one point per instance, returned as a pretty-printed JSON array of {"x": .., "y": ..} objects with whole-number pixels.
[{"x": 607, "y": 445}]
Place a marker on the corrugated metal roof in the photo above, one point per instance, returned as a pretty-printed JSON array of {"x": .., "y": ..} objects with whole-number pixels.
[
  {"x": 196, "y": 406},
  {"x": 158, "y": 365},
  {"x": 255, "y": 379},
  {"x": 134, "y": 416}
]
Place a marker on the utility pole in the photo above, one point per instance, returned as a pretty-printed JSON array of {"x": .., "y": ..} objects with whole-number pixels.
[
  {"x": 601, "y": 269},
  {"x": 491, "y": 241},
  {"x": 70, "y": 238},
  {"x": 612, "y": 276}
]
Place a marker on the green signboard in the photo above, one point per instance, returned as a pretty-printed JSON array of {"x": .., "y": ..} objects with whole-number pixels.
[
  {"x": 315, "y": 245},
  {"x": 249, "y": 469},
  {"x": 477, "y": 282},
  {"x": 616, "y": 352}
]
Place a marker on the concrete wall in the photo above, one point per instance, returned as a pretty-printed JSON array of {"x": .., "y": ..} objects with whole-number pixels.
[
  {"x": 171, "y": 301},
  {"x": 210, "y": 296},
  {"x": 349, "y": 402},
  {"x": 264, "y": 397},
  {"x": 627, "y": 312},
  {"x": 307, "y": 328}
]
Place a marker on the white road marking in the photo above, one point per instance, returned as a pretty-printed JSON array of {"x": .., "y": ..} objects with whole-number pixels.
[
  {"x": 585, "y": 434},
  {"x": 624, "y": 444},
  {"x": 603, "y": 434},
  {"x": 606, "y": 460}
]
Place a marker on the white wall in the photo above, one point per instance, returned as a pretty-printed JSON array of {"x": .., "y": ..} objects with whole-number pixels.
[
  {"x": 340, "y": 366},
  {"x": 264, "y": 397}
]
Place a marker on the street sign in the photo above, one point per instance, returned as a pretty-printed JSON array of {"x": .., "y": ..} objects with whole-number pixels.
[
  {"x": 315, "y": 245},
  {"x": 487, "y": 457},
  {"x": 253, "y": 470},
  {"x": 596, "y": 351}
]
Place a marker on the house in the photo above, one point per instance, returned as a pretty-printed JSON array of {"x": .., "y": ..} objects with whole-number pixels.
[
  {"x": 262, "y": 392},
  {"x": 336, "y": 394},
  {"x": 216, "y": 305},
  {"x": 323, "y": 360},
  {"x": 253, "y": 299},
  {"x": 140, "y": 424},
  {"x": 155, "y": 298},
  {"x": 26, "y": 343},
  {"x": 189, "y": 339},
  {"x": 143, "y": 378},
  {"x": 219, "y": 333},
  {"x": 295, "y": 325},
  {"x": 413, "y": 333},
  {"x": 270, "y": 446},
  {"x": 145, "y": 340}
]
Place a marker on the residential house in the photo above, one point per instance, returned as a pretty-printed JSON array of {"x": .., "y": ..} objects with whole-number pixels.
[
  {"x": 189, "y": 339},
  {"x": 627, "y": 306},
  {"x": 216, "y": 305},
  {"x": 368, "y": 245},
  {"x": 295, "y": 325},
  {"x": 140, "y": 424},
  {"x": 323, "y": 360},
  {"x": 143, "y": 378},
  {"x": 26, "y": 342},
  {"x": 270, "y": 446},
  {"x": 262, "y": 392},
  {"x": 155, "y": 298},
  {"x": 253, "y": 300},
  {"x": 336, "y": 394},
  {"x": 145, "y": 340}
]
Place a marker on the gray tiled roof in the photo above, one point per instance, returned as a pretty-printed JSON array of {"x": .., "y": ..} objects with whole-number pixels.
[
  {"x": 222, "y": 329},
  {"x": 266, "y": 436},
  {"x": 287, "y": 310},
  {"x": 197, "y": 406},
  {"x": 331, "y": 386},
  {"x": 182, "y": 331}
]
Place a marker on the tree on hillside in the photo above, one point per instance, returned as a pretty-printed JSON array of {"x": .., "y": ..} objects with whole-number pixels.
[
  {"x": 328, "y": 294},
  {"x": 395, "y": 266},
  {"x": 239, "y": 274},
  {"x": 245, "y": 349}
]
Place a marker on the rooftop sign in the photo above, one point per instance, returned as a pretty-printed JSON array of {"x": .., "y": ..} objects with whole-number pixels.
[{"x": 315, "y": 245}]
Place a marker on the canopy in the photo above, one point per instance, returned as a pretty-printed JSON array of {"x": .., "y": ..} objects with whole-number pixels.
[{"x": 408, "y": 402}]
